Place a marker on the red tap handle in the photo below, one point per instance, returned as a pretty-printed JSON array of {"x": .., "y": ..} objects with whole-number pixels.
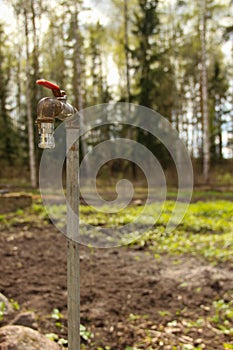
[{"x": 55, "y": 88}]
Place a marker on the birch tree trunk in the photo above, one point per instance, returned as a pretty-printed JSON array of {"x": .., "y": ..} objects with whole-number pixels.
[
  {"x": 77, "y": 60},
  {"x": 32, "y": 160},
  {"x": 205, "y": 114},
  {"x": 126, "y": 32},
  {"x": 35, "y": 55},
  {"x": 77, "y": 81},
  {"x": 18, "y": 70}
]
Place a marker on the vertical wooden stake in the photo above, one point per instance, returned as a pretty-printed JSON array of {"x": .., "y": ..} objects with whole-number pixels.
[{"x": 73, "y": 262}]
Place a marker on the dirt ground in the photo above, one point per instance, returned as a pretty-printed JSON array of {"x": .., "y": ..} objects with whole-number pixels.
[{"x": 127, "y": 296}]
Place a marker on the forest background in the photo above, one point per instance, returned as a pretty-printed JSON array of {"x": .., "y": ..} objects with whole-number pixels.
[{"x": 173, "y": 56}]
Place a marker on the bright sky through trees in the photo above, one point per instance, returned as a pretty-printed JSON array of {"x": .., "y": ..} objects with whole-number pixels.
[{"x": 93, "y": 13}]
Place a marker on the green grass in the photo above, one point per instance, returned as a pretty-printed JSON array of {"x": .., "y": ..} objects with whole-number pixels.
[{"x": 206, "y": 230}]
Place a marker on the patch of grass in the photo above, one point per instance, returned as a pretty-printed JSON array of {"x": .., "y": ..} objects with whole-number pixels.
[
  {"x": 223, "y": 316},
  {"x": 206, "y": 230},
  {"x": 35, "y": 215}
]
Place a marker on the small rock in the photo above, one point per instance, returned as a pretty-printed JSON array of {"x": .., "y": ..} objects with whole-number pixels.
[
  {"x": 8, "y": 309},
  {"x": 27, "y": 319},
  {"x": 137, "y": 202},
  {"x": 24, "y": 338},
  {"x": 171, "y": 330},
  {"x": 198, "y": 341}
]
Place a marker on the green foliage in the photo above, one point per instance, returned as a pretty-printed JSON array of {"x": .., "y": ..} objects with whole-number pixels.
[
  {"x": 225, "y": 179},
  {"x": 84, "y": 333},
  {"x": 164, "y": 313},
  {"x": 35, "y": 215},
  {"x": 58, "y": 317},
  {"x": 8, "y": 133},
  {"x": 146, "y": 27},
  {"x": 223, "y": 316},
  {"x": 2, "y": 219},
  {"x": 206, "y": 230},
  {"x": 55, "y": 337},
  {"x": 39, "y": 210},
  {"x": 98, "y": 90},
  {"x": 56, "y": 314},
  {"x": 15, "y": 304},
  {"x": 164, "y": 66},
  {"x": 2, "y": 310}
]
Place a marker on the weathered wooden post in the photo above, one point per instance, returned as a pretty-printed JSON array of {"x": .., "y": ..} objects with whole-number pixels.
[
  {"x": 48, "y": 110},
  {"x": 73, "y": 269}
]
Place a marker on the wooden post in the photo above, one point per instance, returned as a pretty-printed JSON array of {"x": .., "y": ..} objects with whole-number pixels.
[{"x": 73, "y": 262}]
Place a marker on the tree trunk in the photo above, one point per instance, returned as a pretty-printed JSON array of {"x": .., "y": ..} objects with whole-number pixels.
[
  {"x": 18, "y": 72},
  {"x": 126, "y": 30},
  {"x": 77, "y": 60},
  {"x": 206, "y": 133},
  {"x": 32, "y": 160},
  {"x": 35, "y": 55},
  {"x": 220, "y": 145},
  {"x": 77, "y": 86}
]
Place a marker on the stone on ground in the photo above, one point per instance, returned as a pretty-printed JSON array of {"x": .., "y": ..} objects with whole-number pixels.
[{"x": 24, "y": 338}]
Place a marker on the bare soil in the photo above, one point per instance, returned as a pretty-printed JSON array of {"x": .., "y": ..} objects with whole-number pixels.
[{"x": 124, "y": 292}]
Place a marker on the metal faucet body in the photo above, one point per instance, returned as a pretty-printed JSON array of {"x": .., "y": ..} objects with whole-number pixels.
[{"x": 49, "y": 109}]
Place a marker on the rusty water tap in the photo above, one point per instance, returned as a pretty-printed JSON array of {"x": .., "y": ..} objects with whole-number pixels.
[{"x": 48, "y": 109}]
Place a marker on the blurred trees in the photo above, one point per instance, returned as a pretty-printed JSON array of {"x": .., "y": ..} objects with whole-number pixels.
[
  {"x": 172, "y": 56},
  {"x": 28, "y": 14},
  {"x": 97, "y": 89},
  {"x": 145, "y": 55},
  {"x": 204, "y": 90},
  {"x": 8, "y": 149}
]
